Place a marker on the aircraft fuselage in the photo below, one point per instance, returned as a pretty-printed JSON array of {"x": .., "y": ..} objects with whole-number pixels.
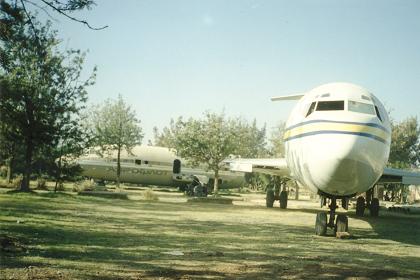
[
  {"x": 148, "y": 165},
  {"x": 337, "y": 140}
]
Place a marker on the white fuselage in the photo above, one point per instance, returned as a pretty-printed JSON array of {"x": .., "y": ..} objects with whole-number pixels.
[
  {"x": 342, "y": 146},
  {"x": 149, "y": 165}
]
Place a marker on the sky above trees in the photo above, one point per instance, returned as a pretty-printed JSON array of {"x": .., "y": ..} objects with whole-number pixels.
[{"x": 172, "y": 58}]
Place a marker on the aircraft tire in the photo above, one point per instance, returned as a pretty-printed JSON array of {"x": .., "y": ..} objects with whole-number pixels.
[
  {"x": 345, "y": 203},
  {"x": 341, "y": 223},
  {"x": 374, "y": 207},
  {"x": 321, "y": 224},
  {"x": 360, "y": 206},
  {"x": 283, "y": 200},
  {"x": 269, "y": 198}
]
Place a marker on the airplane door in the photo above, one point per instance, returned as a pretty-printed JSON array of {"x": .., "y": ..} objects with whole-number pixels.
[{"x": 177, "y": 166}]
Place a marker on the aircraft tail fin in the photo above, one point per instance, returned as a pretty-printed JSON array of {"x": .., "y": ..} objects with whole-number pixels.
[{"x": 288, "y": 97}]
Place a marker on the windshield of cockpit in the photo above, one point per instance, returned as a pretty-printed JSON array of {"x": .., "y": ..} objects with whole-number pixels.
[{"x": 339, "y": 105}]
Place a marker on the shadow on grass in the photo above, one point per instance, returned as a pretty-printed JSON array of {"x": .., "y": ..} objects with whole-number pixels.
[
  {"x": 393, "y": 226},
  {"x": 264, "y": 260},
  {"x": 137, "y": 236}
]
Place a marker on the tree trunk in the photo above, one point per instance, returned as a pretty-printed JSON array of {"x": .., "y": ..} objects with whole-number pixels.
[
  {"x": 297, "y": 191},
  {"x": 9, "y": 169},
  {"x": 24, "y": 187},
  {"x": 216, "y": 182},
  {"x": 29, "y": 108},
  {"x": 118, "y": 167},
  {"x": 58, "y": 174}
]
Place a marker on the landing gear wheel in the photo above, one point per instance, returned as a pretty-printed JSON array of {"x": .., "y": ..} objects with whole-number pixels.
[
  {"x": 374, "y": 207},
  {"x": 269, "y": 198},
  {"x": 321, "y": 224},
  {"x": 323, "y": 201},
  {"x": 283, "y": 200},
  {"x": 345, "y": 203},
  {"x": 360, "y": 206},
  {"x": 341, "y": 223}
]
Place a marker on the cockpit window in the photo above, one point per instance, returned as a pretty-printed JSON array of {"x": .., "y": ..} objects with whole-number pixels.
[
  {"x": 330, "y": 105},
  {"x": 311, "y": 108},
  {"x": 360, "y": 107},
  {"x": 377, "y": 113}
]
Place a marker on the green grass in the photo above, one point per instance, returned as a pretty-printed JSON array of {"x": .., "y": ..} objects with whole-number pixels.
[{"x": 76, "y": 237}]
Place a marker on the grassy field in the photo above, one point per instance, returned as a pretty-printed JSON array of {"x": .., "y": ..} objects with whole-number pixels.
[{"x": 64, "y": 236}]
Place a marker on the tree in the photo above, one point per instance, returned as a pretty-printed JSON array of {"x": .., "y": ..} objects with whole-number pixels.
[
  {"x": 74, "y": 139},
  {"x": 167, "y": 137},
  {"x": 252, "y": 139},
  {"x": 16, "y": 11},
  {"x": 404, "y": 151},
  {"x": 253, "y": 142},
  {"x": 405, "y": 144},
  {"x": 209, "y": 141},
  {"x": 41, "y": 90},
  {"x": 116, "y": 128},
  {"x": 206, "y": 141},
  {"x": 276, "y": 140},
  {"x": 9, "y": 148},
  {"x": 212, "y": 139}
]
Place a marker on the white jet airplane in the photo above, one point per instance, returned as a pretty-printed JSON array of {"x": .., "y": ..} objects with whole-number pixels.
[
  {"x": 337, "y": 143},
  {"x": 151, "y": 165}
]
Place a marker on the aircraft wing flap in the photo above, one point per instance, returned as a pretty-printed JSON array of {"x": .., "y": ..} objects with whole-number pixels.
[
  {"x": 272, "y": 166},
  {"x": 392, "y": 175}
]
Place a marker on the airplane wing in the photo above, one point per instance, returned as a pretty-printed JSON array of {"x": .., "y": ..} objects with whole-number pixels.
[
  {"x": 272, "y": 166},
  {"x": 392, "y": 175}
]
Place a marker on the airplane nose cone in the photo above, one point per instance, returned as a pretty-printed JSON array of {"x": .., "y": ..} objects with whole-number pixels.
[
  {"x": 343, "y": 176},
  {"x": 352, "y": 166}
]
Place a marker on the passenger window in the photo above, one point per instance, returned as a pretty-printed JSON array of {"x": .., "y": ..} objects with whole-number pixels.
[
  {"x": 311, "y": 109},
  {"x": 360, "y": 107},
  {"x": 330, "y": 106},
  {"x": 137, "y": 161},
  {"x": 377, "y": 113},
  {"x": 146, "y": 162}
]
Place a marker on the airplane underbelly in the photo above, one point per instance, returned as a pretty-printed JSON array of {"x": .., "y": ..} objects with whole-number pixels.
[{"x": 337, "y": 164}]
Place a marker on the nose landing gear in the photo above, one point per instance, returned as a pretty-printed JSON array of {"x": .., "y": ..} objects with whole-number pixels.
[{"x": 339, "y": 223}]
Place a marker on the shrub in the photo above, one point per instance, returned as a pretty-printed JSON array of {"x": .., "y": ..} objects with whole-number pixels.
[
  {"x": 60, "y": 187},
  {"x": 3, "y": 170},
  {"x": 4, "y": 183},
  {"x": 150, "y": 195},
  {"x": 82, "y": 186},
  {"x": 16, "y": 182},
  {"x": 42, "y": 184}
]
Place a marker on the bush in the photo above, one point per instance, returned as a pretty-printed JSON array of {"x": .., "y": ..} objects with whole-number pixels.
[
  {"x": 13, "y": 184},
  {"x": 3, "y": 170},
  {"x": 16, "y": 182},
  {"x": 42, "y": 184},
  {"x": 60, "y": 187},
  {"x": 150, "y": 195},
  {"x": 4, "y": 183},
  {"x": 82, "y": 186}
]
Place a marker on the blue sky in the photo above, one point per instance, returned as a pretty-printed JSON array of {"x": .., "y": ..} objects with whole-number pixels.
[{"x": 171, "y": 58}]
